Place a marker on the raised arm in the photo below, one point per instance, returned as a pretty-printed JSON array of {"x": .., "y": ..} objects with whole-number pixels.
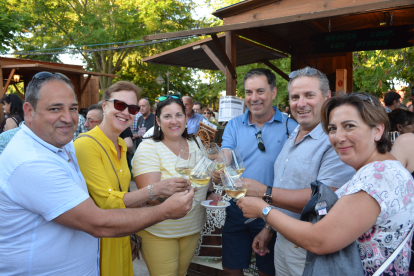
[
  {"x": 99, "y": 223},
  {"x": 349, "y": 218}
]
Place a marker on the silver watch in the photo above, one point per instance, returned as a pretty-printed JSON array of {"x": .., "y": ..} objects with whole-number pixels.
[{"x": 266, "y": 211}]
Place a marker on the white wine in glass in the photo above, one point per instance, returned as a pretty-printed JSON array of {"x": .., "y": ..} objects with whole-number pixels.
[
  {"x": 185, "y": 162},
  {"x": 235, "y": 187},
  {"x": 201, "y": 174}
]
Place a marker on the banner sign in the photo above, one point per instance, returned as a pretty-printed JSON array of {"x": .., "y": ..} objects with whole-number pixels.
[
  {"x": 363, "y": 39},
  {"x": 230, "y": 107}
]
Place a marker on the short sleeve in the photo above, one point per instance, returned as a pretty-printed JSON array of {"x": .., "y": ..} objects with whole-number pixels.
[
  {"x": 332, "y": 171},
  {"x": 50, "y": 193},
  {"x": 146, "y": 158},
  {"x": 229, "y": 136}
]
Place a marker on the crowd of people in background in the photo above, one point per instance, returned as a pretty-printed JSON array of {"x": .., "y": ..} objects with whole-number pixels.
[{"x": 65, "y": 178}]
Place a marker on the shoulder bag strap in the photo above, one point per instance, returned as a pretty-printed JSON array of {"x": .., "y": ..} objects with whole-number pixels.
[
  {"x": 195, "y": 140},
  {"x": 393, "y": 255},
  {"x": 86, "y": 135}
]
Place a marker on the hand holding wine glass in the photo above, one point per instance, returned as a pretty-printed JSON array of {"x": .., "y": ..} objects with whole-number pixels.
[{"x": 234, "y": 186}]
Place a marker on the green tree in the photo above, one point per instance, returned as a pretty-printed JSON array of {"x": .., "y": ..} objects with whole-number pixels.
[
  {"x": 376, "y": 72},
  {"x": 11, "y": 22},
  {"x": 72, "y": 23}
]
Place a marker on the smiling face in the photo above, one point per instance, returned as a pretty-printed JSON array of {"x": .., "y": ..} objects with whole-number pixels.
[
  {"x": 6, "y": 108},
  {"x": 353, "y": 140},
  {"x": 56, "y": 116},
  {"x": 172, "y": 121},
  {"x": 259, "y": 97},
  {"x": 306, "y": 101},
  {"x": 116, "y": 120}
]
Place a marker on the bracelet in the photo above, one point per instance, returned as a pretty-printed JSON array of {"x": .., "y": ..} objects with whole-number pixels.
[
  {"x": 151, "y": 193},
  {"x": 270, "y": 228},
  {"x": 209, "y": 193}
]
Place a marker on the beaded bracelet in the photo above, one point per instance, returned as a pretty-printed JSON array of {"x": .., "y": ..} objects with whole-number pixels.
[{"x": 151, "y": 193}]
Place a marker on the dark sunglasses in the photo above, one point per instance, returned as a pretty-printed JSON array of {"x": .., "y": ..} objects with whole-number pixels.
[
  {"x": 308, "y": 72},
  {"x": 362, "y": 96},
  {"x": 45, "y": 75},
  {"x": 260, "y": 143},
  {"x": 206, "y": 113},
  {"x": 166, "y": 97},
  {"x": 120, "y": 105}
]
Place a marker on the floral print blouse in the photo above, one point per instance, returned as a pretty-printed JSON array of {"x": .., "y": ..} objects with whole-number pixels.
[{"x": 392, "y": 186}]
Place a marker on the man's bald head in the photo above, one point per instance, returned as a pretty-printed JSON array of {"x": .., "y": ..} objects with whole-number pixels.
[{"x": 188, "y": 103}]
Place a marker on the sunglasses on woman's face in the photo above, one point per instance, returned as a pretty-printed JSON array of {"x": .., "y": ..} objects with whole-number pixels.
[
  {"x": 120, "y": 106},
  {"x": 206, "y": 113},
  {"x": 166, "y": 97}
]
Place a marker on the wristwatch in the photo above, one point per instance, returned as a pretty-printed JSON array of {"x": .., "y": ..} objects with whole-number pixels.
[
  {"x": 266, "y": 211},
  {"x": 267, "y": 197}
]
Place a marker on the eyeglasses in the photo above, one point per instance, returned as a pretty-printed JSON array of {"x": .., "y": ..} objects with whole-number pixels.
[
  {"x": 89, "y": 120},
  {"x": 45, "y": 75},
  {"x": 260, "y": 143},
  {"x": 120, "y": 105},
  {"x": 308, "y": 72},
  {"x": 166, "y": 97}
]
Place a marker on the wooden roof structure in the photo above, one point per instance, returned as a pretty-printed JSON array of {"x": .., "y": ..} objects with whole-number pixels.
[
  {"x": 293, "y": 26},
  {"x": 27, "y": 68}
]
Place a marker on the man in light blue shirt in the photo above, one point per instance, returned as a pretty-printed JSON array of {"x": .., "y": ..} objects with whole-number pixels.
[
  {"x": 306, "y": 156},
  {"x": 193, "y": 118},
  {"x": 49, "y": 224},
  {"x": 259, "y": 135}
]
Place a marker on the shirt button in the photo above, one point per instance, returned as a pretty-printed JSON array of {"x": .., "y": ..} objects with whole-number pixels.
[
  {"x": 287, "y": 160},
  {"x": 281, "y": 180},
  {"x": 60, "y": 150},
  {"x": 110, "y": 190},
  {"x": 120, "y": 170}
]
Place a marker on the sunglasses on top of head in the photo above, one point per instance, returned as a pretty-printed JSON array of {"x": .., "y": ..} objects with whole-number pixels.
[
  {"x": 166, "y": 97},
  {"x": 46, "y": 75},
  {"x": 120, "y": 106}
]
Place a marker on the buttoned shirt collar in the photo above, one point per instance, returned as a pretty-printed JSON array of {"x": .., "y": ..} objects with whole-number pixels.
[
  {"x": 277, "y": 117},
  {"x": 315, "y": 134}
]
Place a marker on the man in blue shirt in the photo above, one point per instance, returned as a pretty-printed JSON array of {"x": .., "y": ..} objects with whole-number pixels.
[
  {"x": 49, "y": 224},
  {"x": 193, "y": 118},
  {"x": 259, "y": 135},
  {"x": 306, "y": 156}
]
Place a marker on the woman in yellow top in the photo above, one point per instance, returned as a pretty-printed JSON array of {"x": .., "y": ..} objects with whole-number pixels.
[
  {"x": 102, "y": 160},
  {"x": 168, "y": 246}
]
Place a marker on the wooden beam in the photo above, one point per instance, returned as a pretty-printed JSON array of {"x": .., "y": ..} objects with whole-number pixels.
[
  {"x": 8, "y": 82},
  {"x": 59, "y": 69},
  {"x": 230, "y": 66},
  {"x": 277, "y": 70},
  {"x": 315, "y": 26},
  {"x": 84, "y": 86},
  {"x": 18, "y": 91},
  {"x": 271, "y": 41},
  {"x": 240, "y": 7},
  {"x": 214, "y": 58},
  {"x": 276, "y": 53},
  {"x": 329, "y": 11},
  {"x": 231, "y": 51}
]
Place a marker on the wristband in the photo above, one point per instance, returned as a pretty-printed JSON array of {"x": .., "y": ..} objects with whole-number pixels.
[
  {"x": 270, "y": 228},
  {"x": 151, "y": 193}
]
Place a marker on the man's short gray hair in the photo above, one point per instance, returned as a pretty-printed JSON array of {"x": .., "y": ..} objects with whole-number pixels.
[
  {"x": 311, "y": 73},
  {"x": 32, "y": 93}
]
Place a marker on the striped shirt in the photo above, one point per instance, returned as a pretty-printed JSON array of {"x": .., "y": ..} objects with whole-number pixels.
[{"x": 154, "y": 156}]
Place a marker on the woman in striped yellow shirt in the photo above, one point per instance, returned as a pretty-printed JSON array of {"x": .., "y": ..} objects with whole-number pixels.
[{"x": 169, "y": 246}]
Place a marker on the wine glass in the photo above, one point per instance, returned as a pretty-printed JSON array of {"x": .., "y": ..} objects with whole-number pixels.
[
  {"x": 235, "y": 165},
  {"x": 200, "y": 175},
  {"x": 185, "y": 163},
  {"x": 235, "y": 186}
]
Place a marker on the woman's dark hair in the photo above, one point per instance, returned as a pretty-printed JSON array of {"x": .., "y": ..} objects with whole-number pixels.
[
  {"x": 400, "y": 117},
  {"x": 16, "y": 104},
  {"x": 370, "y": 110},
  {"x": 158, "y": 134}
]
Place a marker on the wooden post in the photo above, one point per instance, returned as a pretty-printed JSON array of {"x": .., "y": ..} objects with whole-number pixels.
[
  {"x": 7, "y": 83},
  {"x": 341, "y": 82},
  {"x": 231, "y": 53}
]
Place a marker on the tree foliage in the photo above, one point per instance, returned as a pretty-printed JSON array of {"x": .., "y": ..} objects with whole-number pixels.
[
  {"x": 68, "y": 23},
  {"x": 376, "y": 72},
  {"x": 11, "y": 22}
]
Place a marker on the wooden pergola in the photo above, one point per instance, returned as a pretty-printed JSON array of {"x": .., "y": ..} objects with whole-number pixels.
[{"x": 317, "y": 33}]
